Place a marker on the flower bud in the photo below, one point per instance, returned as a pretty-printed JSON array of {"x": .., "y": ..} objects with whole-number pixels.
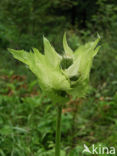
[{"x": 66, "y": 62}]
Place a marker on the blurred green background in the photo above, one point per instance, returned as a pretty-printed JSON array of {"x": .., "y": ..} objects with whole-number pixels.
[{"x": 27, "y": 117}]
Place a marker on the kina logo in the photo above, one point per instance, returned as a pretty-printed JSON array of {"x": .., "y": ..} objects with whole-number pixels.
[{"x": 99, "y": 149}]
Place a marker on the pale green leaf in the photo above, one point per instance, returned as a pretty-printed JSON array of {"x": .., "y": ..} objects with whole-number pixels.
[
  {"x": 51, "y": 55},
  {"x": 79, "y": 89},
  {"x": 50, "y": 78},
  {"x": 21, "y": 55},
  {"x": 67, "y": 49},
  {"x": 73, "y": 69},
  {"x": 84, "y": 54}
]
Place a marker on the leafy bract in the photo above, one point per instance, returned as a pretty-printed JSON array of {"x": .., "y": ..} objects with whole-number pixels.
[
  {"x": 51, "y": 56},
  {"x": 61, "y": 76},
  {"x": 51, "y": 78},
  {"x": 68, "y": 51},
  {"x": 84, "y": 55}
]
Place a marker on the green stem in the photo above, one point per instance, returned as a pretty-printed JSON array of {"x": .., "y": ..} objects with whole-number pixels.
[{"x": 58, "y": 130}]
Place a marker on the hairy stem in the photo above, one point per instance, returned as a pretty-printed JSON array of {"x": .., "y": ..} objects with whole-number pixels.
[{"x": 58, "y": 130}]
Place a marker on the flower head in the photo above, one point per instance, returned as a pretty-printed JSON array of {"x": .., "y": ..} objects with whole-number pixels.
[{"x": 61, "y": 75}]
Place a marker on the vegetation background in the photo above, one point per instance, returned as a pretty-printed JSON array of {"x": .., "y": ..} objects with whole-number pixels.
[{"x": 27, "y": 117}]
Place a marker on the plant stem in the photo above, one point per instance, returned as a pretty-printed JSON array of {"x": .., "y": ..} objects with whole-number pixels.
[{"x": 58, "y": 130}]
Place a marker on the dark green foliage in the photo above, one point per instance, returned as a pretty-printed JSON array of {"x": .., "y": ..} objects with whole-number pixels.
[
  {"x": 27, "y": 126},
  {"x": 27, "y": 118},
  {"x": 23, "y": 22}
]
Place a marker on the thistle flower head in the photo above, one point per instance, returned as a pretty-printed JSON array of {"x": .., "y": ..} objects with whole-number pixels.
[{"x": 61, "y": 75}]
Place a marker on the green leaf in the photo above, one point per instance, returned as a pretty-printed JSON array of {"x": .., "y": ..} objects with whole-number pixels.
[
  {"x": 80, "y": 88},
  {"x": 21, "y": 55},
  {"x": 84, "y": 54},
  {"x": 67, "y": 49},
  {"x": 51, "y": 55},
  {"x": 73, "y": 70},
  {"x": 51, "y": 79}
]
